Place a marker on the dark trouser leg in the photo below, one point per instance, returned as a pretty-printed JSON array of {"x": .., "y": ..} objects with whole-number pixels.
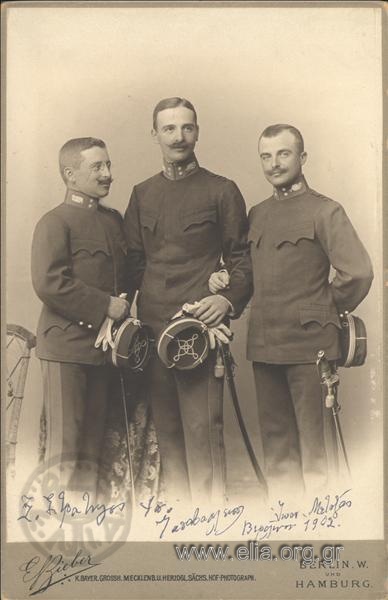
[
  {"x": 201, "y": 406},
  {"x": 278, "y": 429},
  {"x": 101, "y": 385},
  {"x": 187, "y": 413},
  {"x": 75, "y": 398},
  {"x": 305, "y": 389},
  {"x": 164, "y": 401}
]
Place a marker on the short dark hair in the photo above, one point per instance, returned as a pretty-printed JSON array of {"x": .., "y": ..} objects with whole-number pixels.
[
  {"x": 171, "y": 103},
  {"x": 70, "y": 153},
  {"x": 274, "y": 130}
]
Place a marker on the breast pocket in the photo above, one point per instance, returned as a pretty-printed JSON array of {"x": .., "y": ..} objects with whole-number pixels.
[
  {"x": 92, "y": 262},
  {"x": 200, "y": 229},
  {"x": 297, "y": 257},
  {"x": 294, "y": 235},
  {"x": 89, "y": 247},
  {"x": 151, "y": 232},
  {"x": 318, "y": 314},
  {"x": 54, "y": 321}
]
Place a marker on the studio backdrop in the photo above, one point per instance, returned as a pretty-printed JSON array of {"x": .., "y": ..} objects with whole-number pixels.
[{"x": 99, "y": 71}]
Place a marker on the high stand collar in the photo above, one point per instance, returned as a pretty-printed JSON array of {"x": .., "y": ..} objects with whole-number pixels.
[
  {"x": 296, "y": 189},
  {"x": 81, "y": 200},
  {"x": 181, "y": 170}
]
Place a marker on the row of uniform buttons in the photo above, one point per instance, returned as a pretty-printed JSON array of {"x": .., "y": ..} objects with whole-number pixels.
[{"x": 89, "y": 325}]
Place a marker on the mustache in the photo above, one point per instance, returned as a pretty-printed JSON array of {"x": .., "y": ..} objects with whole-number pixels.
[
  {"x": 108, "y": 180},
  {"x": 277, "y": 171},
  {"x": 176, "y": 146}
]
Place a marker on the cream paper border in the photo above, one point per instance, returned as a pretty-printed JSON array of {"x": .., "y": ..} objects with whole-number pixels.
[{"x": 273, "y": 580}]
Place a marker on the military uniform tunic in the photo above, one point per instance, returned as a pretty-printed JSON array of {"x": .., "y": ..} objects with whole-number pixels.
[
  {"x": 177, "y": 232},
  {"x": 179, "y": 225},
  {"x": 78, "y": 262},
  {"x": 295, "y": 237}
]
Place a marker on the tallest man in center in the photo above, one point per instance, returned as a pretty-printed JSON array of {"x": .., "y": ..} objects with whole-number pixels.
[{"x": 180, "y": 225}]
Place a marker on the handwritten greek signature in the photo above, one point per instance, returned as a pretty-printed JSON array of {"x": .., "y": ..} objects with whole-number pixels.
[
  {"x": 215, "y": 522},
  {"x": 322, "y": 513},
  {"x": 57, "y": 505}
]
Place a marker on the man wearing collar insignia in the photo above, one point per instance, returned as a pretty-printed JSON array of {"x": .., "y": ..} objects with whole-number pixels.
[
  {"x": 78, "y": 271},
  {"x": 295, "y": 236},
  {"x": 180, "y": 224}
]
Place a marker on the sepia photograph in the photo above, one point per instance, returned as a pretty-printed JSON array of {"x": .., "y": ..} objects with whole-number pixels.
[{"x": 192, "y": 315}]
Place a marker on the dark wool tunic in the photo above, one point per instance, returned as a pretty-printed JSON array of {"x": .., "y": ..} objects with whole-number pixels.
[
  {"x": 177, "y": 233},
  {"x": 78, "y": 262},
  {"x": 294, "y": 238}
]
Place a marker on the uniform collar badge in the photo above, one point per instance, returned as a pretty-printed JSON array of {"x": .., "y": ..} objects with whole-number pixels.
[
  {"x": 175, "y": 171},
  {"x": 296, "y": 189},
  {"x": 80, "y": 199}
]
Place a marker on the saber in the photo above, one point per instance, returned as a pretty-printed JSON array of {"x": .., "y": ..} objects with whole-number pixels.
[
  {"x": 330, "y": 380},
  {"x": 131, "y": 470},
  {"x": 335, "y": 411},
  {"x": 228, "y": 363}
]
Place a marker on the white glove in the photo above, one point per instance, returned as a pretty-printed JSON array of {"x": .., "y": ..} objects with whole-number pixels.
[
  {"x": 187, "y": 308},
  {"x": 221, "y": 333},
  {"x": 104, "y": 336}
]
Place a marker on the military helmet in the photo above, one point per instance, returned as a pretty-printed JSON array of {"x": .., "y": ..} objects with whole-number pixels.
[
  {"x": 183, "y": 343},
  {"x": 132, "y": 345},
  {"x": 353, "y": 341}
]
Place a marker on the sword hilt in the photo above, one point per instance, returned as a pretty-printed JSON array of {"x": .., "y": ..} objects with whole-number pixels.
[
  {"x": 219, "y": 368},
  {"x": 329, "y": 379}
]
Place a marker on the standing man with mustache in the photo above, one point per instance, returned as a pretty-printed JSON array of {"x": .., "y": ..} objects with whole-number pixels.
[
  {"x": 78, "y": 271},
  {"x": 180, "y": 223},
  {"x": 295, "y": 236}
]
